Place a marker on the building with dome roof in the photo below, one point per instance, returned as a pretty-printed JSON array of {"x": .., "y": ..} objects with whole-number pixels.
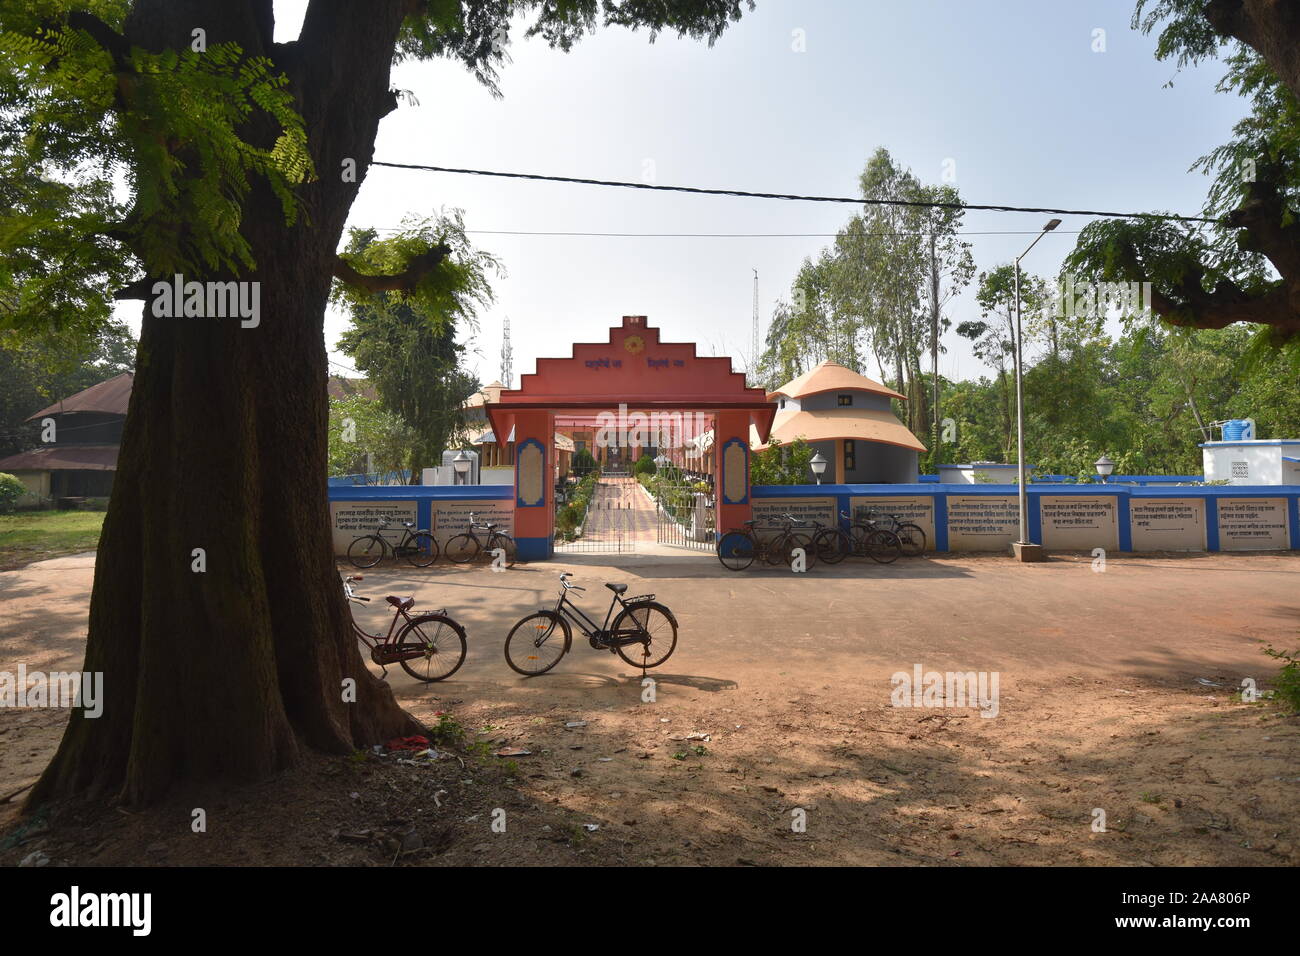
[{"x": 847, "y": 419}]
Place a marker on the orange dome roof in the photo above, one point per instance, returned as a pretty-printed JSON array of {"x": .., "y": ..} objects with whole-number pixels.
[{"x": 831, "y": 377}]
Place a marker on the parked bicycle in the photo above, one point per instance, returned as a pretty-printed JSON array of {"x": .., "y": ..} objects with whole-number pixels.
[
  {"x": 464, "y": 548},
  {"x": 740, "y": 547},
  {"x": 868, "y": 541},
  {"x": 911, "y": 537},
  {"x": 430, "y": 646},
  {"x": 644, "y": 633},
  {"x": 418, "y": 547}
]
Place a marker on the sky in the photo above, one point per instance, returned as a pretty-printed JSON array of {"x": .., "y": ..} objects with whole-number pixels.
[{"x": 1022, "y": 99}]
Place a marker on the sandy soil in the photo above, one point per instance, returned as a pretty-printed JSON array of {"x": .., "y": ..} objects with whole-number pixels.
[{"x": 1117, "y": 693}]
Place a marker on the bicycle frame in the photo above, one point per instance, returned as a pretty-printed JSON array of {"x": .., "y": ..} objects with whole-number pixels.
[
  {"x": 585, "y": 624},
  {"x": 373, "y": 641}
]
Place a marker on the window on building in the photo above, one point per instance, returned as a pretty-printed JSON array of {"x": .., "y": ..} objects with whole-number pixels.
[
  {"x": 848, "y": 455},
  {"x": 846, "y": 400}
]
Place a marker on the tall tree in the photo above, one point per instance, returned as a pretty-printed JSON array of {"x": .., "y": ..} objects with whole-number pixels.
[
  {"x": 242, "y": 157},
  {"x": 409, "y": 346},
  {"x": 993, "y": 335},
  {"x": 1245, "y": 266}
]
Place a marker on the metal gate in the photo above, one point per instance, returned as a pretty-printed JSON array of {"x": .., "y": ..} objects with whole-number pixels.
[
  {"x": 685, "y": 515},
  {"x": 610, "y": 523}
]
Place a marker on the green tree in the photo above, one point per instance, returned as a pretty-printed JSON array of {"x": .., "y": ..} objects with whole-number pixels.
[
  {"x": 364, "y": 437},
  {"x": 1244, "y": 266},
  {"x": 779, "y": 464},
  {"x": 407, "y": 344},
  {"x": 241, "y": 159}
]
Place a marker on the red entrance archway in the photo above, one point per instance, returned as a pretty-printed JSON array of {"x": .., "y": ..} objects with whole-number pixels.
[{"x": 632, "y": 370}]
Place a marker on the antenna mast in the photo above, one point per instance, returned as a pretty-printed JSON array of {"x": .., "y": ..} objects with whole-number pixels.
[{"x": 507, "y": 356}]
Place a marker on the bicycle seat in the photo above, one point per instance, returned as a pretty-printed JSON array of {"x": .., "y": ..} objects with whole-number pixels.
[
  {"x": 409, "y": 524},
  {"x": 403, "y": 604},
  {"x": 617, "y": 588}
]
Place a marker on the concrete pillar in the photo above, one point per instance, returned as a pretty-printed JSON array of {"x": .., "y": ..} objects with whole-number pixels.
[
  {"x": 731, "y": 469},
  {"x": 534, "y": 486}
]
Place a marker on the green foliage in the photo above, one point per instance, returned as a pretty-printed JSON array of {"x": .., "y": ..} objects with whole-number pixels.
[
  {"x": 11, "y": 489},
  {"x": 779, "y": 464},
  {"x": 1145, "y": 399},
  {"x": 645, "y": 465},
  {"x": 574, "y": 512},
  {"x": 582, "y": 463},
  {"x": 1287, "y": 683},
  {"x": 407, "y": 342},
  {"x": 362, "y": 431},
  {"x": 82, "y": 115}
]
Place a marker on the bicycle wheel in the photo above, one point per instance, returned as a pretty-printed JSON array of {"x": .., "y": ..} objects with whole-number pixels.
[
  {"x": 366, "y": 552},
  {"x": 798, "y": 540},
  {"x": 883, "y": 546},
  {"x": 506, "y": 544},
  {"x": 461, "y": 549},
  {"x": 423, "y": 549},
  {"x": 832, "y": 545},
  {"x": 647, "y": 619},
  {"x": 736, "y": 550},
  {"x": 440, "y": 644},
  {"x": 537, "y": 643},
  {"x": 911, "y": 539}
]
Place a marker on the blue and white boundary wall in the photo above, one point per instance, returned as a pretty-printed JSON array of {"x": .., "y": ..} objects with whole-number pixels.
[
  {"x": 443, "y": 509},
  {"x": 1062, "y": 517}
]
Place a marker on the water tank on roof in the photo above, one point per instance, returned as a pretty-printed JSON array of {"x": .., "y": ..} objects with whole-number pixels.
[{"x": 1238, "y": 429}]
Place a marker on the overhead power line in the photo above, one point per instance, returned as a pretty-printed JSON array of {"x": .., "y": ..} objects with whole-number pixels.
[{"x": 793, "y": 197}]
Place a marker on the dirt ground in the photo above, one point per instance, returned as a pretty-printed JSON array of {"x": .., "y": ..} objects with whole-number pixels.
[{"x": 1118, "y": 692}]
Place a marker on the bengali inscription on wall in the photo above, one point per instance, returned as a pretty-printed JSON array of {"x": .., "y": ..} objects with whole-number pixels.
[
  {"x": 451, "y": 518},
  {"x": 982, "y": 522},
  {"x": 1080, "y": 522},
  {"x": 351, "y": 519},
  {"x": 1167, "y": 524},
  {"x": 768, "y": 513},
  {"x": 1253, "y": 524},
  {"x": 916, "y": 509}
]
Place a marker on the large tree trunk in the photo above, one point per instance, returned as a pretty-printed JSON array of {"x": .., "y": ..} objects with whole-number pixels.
[{"x": 225, "y": 674}]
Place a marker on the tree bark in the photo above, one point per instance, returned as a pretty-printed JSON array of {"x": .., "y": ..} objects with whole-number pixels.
[
  {"x": 226, "y": 674},
  {"x": 1271, "y": 27}
]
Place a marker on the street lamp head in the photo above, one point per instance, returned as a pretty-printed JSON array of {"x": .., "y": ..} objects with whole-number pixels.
[
  {"x": 1052, "y": 224},
  {"x": 818, "y": 464},
  {"x": 1105, "y": 466}
]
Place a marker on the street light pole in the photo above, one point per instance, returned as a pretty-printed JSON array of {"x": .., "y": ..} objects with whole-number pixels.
[{"x": 1024, "y": 549}]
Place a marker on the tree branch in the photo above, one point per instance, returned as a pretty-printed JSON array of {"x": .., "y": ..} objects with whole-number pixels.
[
  {"x": 405, "y": 281},
  {"x": 113, "y": 42}
]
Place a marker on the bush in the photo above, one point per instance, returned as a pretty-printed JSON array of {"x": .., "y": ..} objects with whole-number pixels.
[
  {"x": 1287, "y": 682},
  {"x": 645, "y": 465},
  {"x": 582, "y": 463},
  {"x": 11, "y": 489}
]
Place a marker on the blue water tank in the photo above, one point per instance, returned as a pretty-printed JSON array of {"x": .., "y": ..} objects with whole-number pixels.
[{"x": 1235, "y": 428}]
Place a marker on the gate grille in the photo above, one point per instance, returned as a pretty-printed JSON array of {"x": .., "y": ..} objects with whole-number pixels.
[
  {"x": 610, "y": 524},
  {"x": 684, "y": 516}
]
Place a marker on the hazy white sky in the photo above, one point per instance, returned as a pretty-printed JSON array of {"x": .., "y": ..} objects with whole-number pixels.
[{"x": 1010, "y": 90}]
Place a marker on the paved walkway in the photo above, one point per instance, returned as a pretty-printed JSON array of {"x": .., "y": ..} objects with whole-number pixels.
[{"x": 620, "y": 509}]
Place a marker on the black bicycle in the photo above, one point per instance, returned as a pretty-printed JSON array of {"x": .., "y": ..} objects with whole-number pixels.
[
  {"x": 418, "y": 547},
  {"x": 911, "y": 537},
  {"x": 464, "y": 548},
  {"x": 880, "y": 544},
  {"x": 738, "y": 548},
  {"x": 644, "y": 633}
]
